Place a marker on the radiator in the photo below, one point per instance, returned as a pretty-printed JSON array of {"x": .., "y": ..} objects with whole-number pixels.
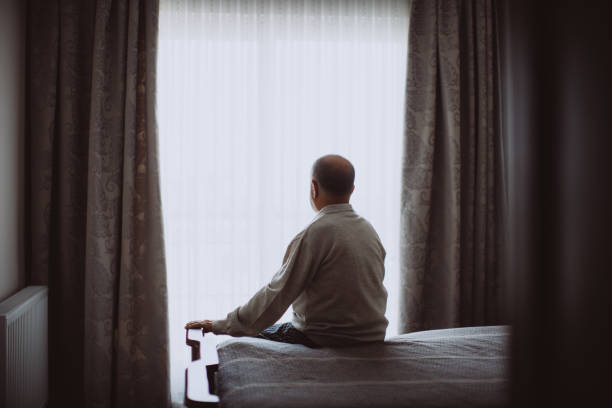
[{"x": 23, "y": 349}]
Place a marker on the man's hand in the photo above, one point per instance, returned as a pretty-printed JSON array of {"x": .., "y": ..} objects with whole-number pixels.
[{"x": 205, "y": 325}]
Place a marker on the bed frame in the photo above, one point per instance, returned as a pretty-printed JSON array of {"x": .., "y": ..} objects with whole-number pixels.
[{"x": 200, "y": 373}]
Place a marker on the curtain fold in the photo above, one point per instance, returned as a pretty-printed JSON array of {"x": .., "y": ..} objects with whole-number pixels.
[
  {"x": 95, "y": 232},
  {"x": 449, "y": 213}
]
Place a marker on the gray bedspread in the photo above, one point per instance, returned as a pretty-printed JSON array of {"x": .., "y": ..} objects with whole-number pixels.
[{"x": 436, "y": 368}]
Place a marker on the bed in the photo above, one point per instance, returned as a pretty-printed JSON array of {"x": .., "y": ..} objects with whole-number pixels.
[{"x": 442, "y": 368}]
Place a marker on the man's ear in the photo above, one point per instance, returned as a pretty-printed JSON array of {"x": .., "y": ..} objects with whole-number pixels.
[
  {"x": 315, "y": 189},
  {"x": 352, "y": 189}
]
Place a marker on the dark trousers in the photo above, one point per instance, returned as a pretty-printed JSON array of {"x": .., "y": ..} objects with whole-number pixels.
[{"x": 286, "y": 333}]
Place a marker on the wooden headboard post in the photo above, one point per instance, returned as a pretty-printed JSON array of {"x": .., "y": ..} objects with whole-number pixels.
[{"x": 199, "y": 374}]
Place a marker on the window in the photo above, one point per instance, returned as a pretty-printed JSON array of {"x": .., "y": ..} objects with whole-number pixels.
[{"x": 250, "y": 93}]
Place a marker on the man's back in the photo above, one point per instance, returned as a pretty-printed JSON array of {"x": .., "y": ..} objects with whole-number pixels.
[{"x": 344, "y": 300}]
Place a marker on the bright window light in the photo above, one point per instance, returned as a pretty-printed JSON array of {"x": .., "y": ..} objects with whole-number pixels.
[{"x": 250, "y": 93}]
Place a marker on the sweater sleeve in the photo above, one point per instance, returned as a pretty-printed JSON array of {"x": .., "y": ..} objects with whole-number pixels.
[{"x": 272, "y": 300}]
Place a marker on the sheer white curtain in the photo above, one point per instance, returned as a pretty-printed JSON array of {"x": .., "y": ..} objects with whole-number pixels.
[{"x": 250, "y": 94}]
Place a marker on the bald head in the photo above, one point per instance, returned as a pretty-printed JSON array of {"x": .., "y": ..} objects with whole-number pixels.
[{"x": 335, "y": 175}]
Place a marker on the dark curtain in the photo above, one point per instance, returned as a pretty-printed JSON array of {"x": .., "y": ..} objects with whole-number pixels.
[
  {"x": 450, "y": 220},
  {"x": 94, "y": 215},
  {"x": 556, "y": 65}
]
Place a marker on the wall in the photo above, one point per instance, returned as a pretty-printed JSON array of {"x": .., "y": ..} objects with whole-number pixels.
[
  {"x": 12, "y": 74},
  {"x": 557, "y": 128}
]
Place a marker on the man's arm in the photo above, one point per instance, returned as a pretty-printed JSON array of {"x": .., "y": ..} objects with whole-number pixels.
[{"x": 271, "y": 301}]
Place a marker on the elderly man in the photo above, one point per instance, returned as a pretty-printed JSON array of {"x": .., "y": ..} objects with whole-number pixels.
[{"x": 332, "y": 273}]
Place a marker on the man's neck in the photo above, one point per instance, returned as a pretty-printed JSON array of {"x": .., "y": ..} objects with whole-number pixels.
[{"x": 325, "y": 203}]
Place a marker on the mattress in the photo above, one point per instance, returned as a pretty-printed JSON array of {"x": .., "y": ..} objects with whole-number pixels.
[{"x": 435, "y": 368}]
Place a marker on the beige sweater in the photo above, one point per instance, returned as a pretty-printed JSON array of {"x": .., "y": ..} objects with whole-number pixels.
[{"x": 332, "y": 273}]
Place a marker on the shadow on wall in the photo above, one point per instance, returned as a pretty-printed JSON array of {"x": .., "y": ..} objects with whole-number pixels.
[{"x": 12, "y": 107}]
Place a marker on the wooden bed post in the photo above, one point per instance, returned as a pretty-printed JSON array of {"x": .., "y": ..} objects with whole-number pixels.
[{"x": 200, "y": 376}]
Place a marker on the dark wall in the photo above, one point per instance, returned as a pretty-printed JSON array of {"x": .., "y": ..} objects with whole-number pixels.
[
  {"x": 12, "y": 110},
  {"x": 556, "y": 70}
]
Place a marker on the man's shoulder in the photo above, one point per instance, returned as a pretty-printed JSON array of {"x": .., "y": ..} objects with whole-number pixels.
[{"x": 321, "y": 223}]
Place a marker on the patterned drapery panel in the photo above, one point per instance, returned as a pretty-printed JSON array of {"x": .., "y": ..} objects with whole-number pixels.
[
  {"x": 94, "y": 213},
  {"x": 450, "y": 191}
]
